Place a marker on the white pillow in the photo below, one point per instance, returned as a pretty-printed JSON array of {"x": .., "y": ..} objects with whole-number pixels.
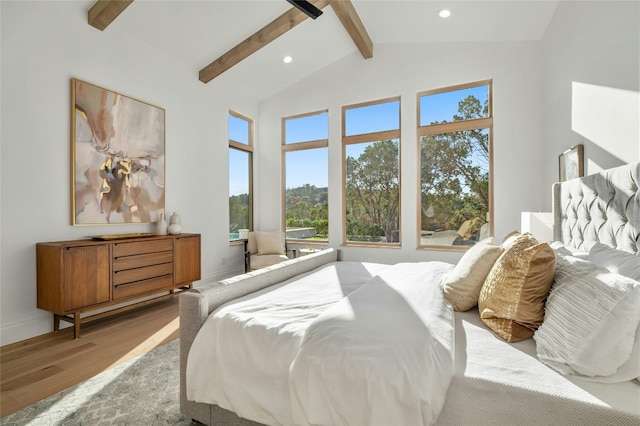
[
  {"x": 463, "y": 284},
  {"x": 617, "y": 261},
  {"x": 270, "y": 242},
  {"x": 558, "y": 247},
  {"x": 591, "y": 322}
]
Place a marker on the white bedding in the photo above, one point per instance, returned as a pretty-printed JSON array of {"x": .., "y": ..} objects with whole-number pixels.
[
  {"x": 240, "y": 361},
  {"x": 387, "y": 348},
  {"x": 495, "y": 382},
  {"x": 241, "y": 358},
  {"x": 495, "y": 379}
]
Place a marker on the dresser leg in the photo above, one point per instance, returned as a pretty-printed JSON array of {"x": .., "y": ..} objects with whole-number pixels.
[
  {"x": 76, "y": 325},
  {"x": 56, "y": 322}
]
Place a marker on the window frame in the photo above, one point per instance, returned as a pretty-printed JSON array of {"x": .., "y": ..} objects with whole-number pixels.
[
  {"x": 368, "y": 138},
  {"x": 299, "y": 146},
  {"x": 247, "y": 148},
  {"x": 452, "y": 127}
]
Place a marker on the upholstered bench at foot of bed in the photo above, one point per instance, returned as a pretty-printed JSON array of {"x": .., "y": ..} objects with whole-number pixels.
[{"x": 197, "y": 304}]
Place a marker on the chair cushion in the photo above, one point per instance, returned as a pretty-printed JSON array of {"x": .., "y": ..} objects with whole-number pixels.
[{"x": 263, "y": 260}]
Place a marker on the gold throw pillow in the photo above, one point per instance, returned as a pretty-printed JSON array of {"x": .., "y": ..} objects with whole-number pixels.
[{"x": 512, "y": 298}]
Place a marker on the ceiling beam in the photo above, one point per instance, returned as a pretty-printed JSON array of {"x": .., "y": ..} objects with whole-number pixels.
[
  {"x": 103, "y": 12},
  {"x": 354, "y": 26},
  {"x": 266, "y": 35}
]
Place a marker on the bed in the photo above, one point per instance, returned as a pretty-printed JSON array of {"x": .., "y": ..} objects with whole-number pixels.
[{"x": 366, "y": 343}]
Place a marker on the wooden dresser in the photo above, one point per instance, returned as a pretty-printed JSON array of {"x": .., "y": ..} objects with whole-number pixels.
[{"x": 87, "y": 275}]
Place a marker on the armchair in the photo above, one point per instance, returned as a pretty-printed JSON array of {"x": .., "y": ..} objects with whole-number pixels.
[{"x": 262, "y": 249}]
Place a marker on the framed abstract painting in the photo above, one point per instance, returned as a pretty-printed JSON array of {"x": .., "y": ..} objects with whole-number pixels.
[
  {"x": 571, "y": 163},
  {"x": 117, "y": 157}
]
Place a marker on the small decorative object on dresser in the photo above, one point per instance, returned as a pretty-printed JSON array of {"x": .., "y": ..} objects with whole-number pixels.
[
  {"x": 161, "y": 226},
  {"x": 175, "y": 224},
  {"x": 79, "y": 276}
]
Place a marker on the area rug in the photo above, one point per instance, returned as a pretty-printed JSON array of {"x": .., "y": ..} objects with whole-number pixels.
[{"x": 142, "y": 391}]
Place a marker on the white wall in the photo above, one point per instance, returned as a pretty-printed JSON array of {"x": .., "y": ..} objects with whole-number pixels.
[
  {"x": 404, "y": 70},
  {"x": 44, "y": 45},
  {"x": 591, "y": 81}
]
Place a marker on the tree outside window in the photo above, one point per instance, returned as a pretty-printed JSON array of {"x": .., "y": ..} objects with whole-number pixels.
[
  {"x": 455, "y": 160},
  {"x": 371, "y": 146}
]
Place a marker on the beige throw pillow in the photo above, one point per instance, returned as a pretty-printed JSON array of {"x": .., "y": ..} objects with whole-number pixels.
[
  {"x": 463, "y": 284},
  {"x": 270, "y": 242},
  {"x": 512, "y": 298}
]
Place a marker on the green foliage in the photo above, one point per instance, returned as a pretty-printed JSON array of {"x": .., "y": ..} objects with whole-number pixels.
[
  {"x": 308, "y": 207},
  {"x": 321, "y": 225},
  {"x": 454, "y": 170},
  {"x": 373, "y": 196},
  {"x": 238, "y": 212},
  {"x": 307, "y": 203}
]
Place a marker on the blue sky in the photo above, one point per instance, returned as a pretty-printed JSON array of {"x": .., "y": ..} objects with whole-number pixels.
[{"x": 311, "y": 166}]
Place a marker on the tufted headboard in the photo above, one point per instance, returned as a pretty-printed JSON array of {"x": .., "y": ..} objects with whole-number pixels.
[{"x": 601, "y": 207}]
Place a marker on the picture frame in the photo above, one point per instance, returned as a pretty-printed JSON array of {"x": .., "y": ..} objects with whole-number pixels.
[
  {"x": 117, "y": 157},
  {"x": 571, "y": 163}
]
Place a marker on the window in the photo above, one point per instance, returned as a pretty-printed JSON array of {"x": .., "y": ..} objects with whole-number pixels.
[
  {"x": 305, "y": 141},
  {"x": 240, "y": 167},
  {"x": 454, "y": 138},
  {"x": 371, "y": 154}
]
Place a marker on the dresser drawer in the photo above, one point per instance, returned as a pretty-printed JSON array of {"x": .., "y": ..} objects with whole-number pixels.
[
  {"x": 138, "y": 274},
  {"x": 141, "y": 287},
  {"x": 141, "y": 247},
  {"x": 131, "y": 262}
]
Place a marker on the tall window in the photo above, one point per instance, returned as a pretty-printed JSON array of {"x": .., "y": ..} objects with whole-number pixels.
[
  {"x": 371, "y": 148},
  {"x": 454, "y": 137},
  {"x": 305, "y": 141},
  {"x": 240, "y": 176}
]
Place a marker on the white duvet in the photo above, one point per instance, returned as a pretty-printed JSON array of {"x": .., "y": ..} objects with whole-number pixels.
[{"x": 348, "y": 343}]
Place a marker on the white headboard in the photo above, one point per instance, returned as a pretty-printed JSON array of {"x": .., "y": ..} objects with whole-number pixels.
[{"x": 601, "y": 207}]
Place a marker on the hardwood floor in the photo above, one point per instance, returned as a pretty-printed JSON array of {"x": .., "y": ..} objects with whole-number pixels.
[{"x": 36, "y": 368}]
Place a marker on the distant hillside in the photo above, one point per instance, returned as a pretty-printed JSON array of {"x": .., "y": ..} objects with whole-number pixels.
[{"x": 307, "y": 194}]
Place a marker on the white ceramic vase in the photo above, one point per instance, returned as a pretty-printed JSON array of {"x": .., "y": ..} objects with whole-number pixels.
[
  {"x": 175, "y": 224},
  {"x": 161, "y": 226}
]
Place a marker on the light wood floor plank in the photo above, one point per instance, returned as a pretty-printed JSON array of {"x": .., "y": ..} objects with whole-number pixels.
[{"x": 39, "y": 367}]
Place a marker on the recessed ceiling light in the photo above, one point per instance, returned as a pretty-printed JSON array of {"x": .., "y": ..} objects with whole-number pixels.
[
  {"x": 444, "y": 13},
  {"x": 287, "y": 59}
]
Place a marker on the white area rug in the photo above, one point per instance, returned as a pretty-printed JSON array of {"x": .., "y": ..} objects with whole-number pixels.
[{"x": 140, "y": 392}]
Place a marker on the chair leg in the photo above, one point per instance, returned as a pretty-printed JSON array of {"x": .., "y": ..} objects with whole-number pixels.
[{"x": 247, "y": 257}]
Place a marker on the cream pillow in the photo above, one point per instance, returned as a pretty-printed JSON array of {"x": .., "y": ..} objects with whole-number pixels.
[
  {"x": 511, "y": 301},
  {"x": 270, "y": 242},
  {"x": 592, "y": 323},
  {"x": 462, "y": 286}
]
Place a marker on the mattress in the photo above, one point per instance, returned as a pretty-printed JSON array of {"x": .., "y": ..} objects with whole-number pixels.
[{"x": 500, "y": 383}]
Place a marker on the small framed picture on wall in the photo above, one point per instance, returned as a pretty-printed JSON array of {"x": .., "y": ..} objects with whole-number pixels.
[{"x": 571, "y": 163}]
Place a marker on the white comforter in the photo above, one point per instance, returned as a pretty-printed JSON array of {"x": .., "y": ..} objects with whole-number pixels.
[
  {"x": 255, "y": 357},
  {"x": 383, "y": 355}
]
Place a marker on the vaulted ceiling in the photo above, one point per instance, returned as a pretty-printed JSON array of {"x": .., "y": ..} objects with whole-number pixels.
[{"x": 212, "y": 37}]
